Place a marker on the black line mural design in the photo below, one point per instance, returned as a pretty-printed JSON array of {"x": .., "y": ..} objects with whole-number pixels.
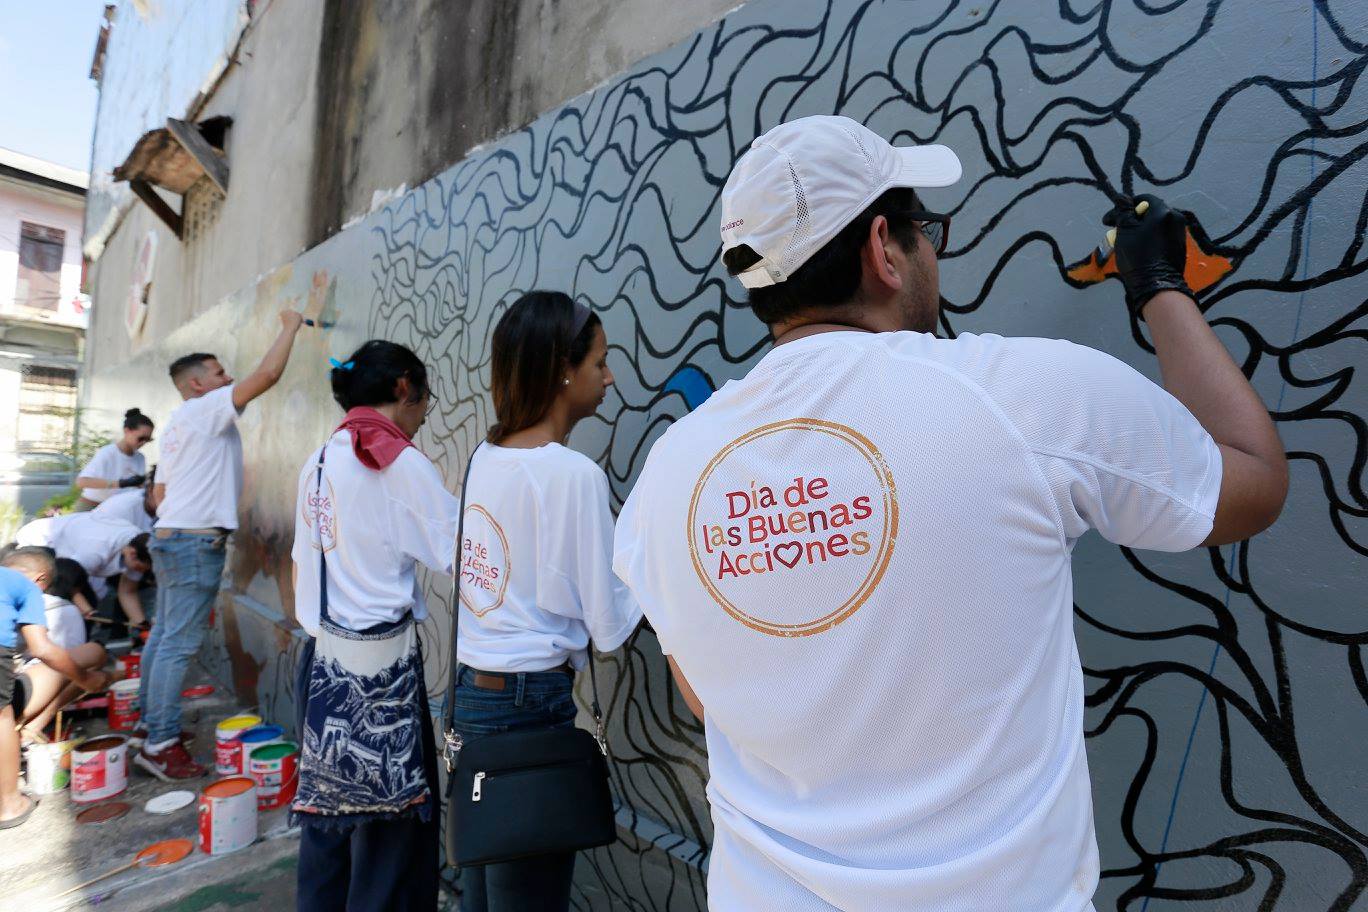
[{"x": 1227, "y": 688}]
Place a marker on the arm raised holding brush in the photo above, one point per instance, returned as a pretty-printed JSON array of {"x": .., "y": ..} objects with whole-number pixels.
[{"x": 1151, "y": 246}]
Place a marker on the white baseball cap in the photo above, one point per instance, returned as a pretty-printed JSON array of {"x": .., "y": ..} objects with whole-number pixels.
[{"x": 802, "y": 182}]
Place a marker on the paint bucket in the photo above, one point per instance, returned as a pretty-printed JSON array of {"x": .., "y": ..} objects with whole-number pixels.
[
  {"x": 227, "y": 816},
  {"x": 130, "y": 666},
  {"x": 251, "y": 739},
  {"x": 227, "y": 748},
  {"x": 99, "y": 768},
  {"x": 49, "y": 766},
  {"x": 123, "y": 705},
  {"x": 275, "y": 770}
]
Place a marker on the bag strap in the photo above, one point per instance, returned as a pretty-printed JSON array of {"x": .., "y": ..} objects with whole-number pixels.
[
  {"x": 452, "y": 740},
  {"x": 322, "y": 546}
]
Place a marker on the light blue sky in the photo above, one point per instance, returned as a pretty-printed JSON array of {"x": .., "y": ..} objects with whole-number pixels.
[{"x": 47, "y": 100}]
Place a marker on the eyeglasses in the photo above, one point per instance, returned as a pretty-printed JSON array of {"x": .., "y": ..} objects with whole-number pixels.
[{"x": 935, "y": 226}]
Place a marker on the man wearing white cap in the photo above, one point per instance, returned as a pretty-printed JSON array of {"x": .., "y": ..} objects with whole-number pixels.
[{"x": 857, "y": 557}]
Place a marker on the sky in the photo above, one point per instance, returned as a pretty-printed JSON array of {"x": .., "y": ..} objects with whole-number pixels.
[{"x": 47, "y": 99}]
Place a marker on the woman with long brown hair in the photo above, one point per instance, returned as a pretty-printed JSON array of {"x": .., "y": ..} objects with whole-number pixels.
[{"x": 535, "y": 560}]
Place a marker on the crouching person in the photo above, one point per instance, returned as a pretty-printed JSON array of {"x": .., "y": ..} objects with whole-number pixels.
[{"x": 24, "y": 574}]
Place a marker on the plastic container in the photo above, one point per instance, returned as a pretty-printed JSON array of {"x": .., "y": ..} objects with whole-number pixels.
[
  {"x": 227, "y": 748},
  {"x": 227, "y": 816},
  {"x": 275, "y": 770},
  {"x": 99, "y": 768}
]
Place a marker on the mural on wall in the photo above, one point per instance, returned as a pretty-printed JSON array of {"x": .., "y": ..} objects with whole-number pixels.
[{"x": 1226, "y": 687}]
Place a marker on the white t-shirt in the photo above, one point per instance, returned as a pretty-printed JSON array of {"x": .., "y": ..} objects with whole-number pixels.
[
  {"x": 93, "y": 541},
  {"x": 536, "y": 569},
  {"x": 127, "y": 506},
  {"x": 65, "y": 626},
  {"x": 374, "y": 526},
  {"x": 201, "y": 464},
  {"x": 112, "y": 464},
  {"x": 859, "y": 556}
]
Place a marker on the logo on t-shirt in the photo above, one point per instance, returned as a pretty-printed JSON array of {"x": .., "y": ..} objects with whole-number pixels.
[
  {"x": 484, "y": 562},
  {"x": 170, "y": 442},
  {"x": 320, "y": 508},
  {"x": 792, "y": 525}
]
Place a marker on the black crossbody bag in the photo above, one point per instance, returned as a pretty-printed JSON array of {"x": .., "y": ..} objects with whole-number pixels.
[{"x": 521, "y": 793}]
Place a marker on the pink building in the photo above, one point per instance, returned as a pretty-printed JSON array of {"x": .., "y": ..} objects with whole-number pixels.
[{"x": 43, "y": 315}]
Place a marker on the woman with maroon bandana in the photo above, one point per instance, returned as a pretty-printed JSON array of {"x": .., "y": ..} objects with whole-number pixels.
[{"x": 370, "y": 508}]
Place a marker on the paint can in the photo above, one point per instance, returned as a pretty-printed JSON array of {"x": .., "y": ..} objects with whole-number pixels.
[
  {"x": 130, "y": 666},
  {"x": 124, "y": 709},
  {"x": 99, "y": 768},
  {"x": 227, "y": 748},
  {"x": 251, "y": 739},
  {"x": 275, "y": 770},
  {"x": 49, "y": 766},
  {"x": 227, "y": 815}
]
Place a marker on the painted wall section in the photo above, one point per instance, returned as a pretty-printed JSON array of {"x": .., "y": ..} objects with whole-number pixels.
[{"x": 1226, "y": 691}]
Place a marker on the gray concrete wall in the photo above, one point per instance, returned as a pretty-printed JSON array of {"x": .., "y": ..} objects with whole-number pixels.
[
  {"x": 333, "y": 102},
  {"x": 1226, "y": 691}
]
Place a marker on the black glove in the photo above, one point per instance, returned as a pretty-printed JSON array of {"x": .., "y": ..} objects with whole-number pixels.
[
  {"x": 1151, "y": 250},
  {"x": 132, "y": 481}
]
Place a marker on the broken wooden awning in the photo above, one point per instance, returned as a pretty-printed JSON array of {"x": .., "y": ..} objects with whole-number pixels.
[{"x": 174, "y": 158}]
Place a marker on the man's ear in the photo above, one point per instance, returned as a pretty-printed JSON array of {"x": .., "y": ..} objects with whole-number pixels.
[{"x": 881, "y": 254}]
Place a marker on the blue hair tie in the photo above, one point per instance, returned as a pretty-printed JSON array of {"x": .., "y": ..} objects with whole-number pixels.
[{"x": 339, "y": 365}]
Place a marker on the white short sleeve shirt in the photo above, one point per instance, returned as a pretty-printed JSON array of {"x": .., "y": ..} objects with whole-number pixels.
[
  {"x": 111, "y": 464},
  {"x": 129, "y": 507},
  {"x": 536, "y": 570},
  {"x": 201, "y": 464},
  {"x": 374, "y": 527},
  {"x": 859, "y": 557},
  {"x": 95, "y": 542}
]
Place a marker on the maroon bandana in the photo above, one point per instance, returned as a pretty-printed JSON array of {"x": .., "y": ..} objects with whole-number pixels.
[{"x": 376, "y": 440}]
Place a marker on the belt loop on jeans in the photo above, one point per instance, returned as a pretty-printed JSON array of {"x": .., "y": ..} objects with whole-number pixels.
[{"x": 522, "y": 689}]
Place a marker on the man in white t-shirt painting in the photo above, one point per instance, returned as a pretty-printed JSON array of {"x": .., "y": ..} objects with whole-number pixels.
[
  {"x": 199, "y": 480},
  {"x": 857, "y": 557}
]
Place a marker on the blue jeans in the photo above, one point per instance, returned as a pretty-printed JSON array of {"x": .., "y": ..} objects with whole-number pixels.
[
  {"x": 189, "y": 568},
  {"x": 541, "y": 699}
]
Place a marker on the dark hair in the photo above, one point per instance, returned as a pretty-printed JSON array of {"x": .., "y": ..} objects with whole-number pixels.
[
  {"x": 831, "y": 276},
  {"x": 369, "y": 374},
  {"x": 139, "y": 543},
  {"x": 68, "y": 579},
  {"x": 534, "y": 342},
  {"x": 41, "y": 560},
  {"x": 188, "y": 363},
  {"x": 134, "y": 419}
]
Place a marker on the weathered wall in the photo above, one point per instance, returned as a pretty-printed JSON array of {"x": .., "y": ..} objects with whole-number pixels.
[
  {"x": 1227, "y": 694},
  {"x": 334, "y": 104}
]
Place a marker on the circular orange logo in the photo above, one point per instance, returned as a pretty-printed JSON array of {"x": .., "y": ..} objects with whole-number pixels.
[
  {"x": 792, "y": 525},
  {"x": 484, "y": 562}
]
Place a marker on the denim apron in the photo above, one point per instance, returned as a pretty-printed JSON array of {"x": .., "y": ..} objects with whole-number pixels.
[{"x": 361, "y": 729}]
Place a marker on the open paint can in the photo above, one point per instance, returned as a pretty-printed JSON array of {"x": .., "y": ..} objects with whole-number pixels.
[
  {"x": 99, "y": 768},
  {"x": 227, "y": 815},
  {"x": 227, "y": 747},
  {"x": 252, "y": 738},
  {"x": 49, "y": 766},
  {"x": 124, "y": 710},
  {"x": 275, "y": 770}
]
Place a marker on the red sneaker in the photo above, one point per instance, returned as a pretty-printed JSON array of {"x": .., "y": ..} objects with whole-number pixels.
[{"x": 171, "y": 764}]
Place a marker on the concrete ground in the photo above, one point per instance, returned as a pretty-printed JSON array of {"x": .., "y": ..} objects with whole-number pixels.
[{"x": 53, "y": 852}]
